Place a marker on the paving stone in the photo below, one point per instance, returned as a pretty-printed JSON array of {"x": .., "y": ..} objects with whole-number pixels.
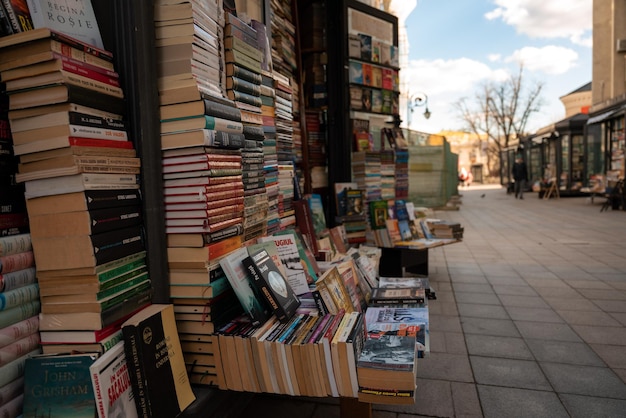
[
  {"x": 611, "y": 305},
  {"x": 587, "y": 317},
  {"x": 601, "y": 335},
  {"x": 620, "y": 317},
  {"x": 476, "y": 288},
  {"x": 465, "y": 399},
  {"x": 445, "y": 322},
  {"x": 588, "y": 284},
  {"x": 486, "y": 326},
  {"x": 613, "y": 355},
  {"x": 547, "y": 331},
  {"x": 472, "y": 297},
  {"x": 482, "y": 311},
  {"x": 434, "y": 398},
  {"x": 514, "y": 290},
  {"x": 492, "y": 346},
  {"x": 518, "y": 313},
  {"x": 500, "y": 402},
  {"x": 612, "y": 294},
  {"x": 445, "y": 366},
  {"x": 469, "y": 278},
  {"x": 587, "y": 406},
  {"x": 521, "y": 374},
  {"x": 564, "y": 352},
  {"x": 573, "y": 304},
  {"x": 523, "y": 301},
  {"x": 584, "y": 380}
]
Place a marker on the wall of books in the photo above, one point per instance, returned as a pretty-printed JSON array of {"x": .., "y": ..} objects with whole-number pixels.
[{"x": 266, "y": 294}]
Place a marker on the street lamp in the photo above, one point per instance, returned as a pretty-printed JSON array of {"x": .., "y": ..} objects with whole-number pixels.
[{"x": 417, "y": 100}]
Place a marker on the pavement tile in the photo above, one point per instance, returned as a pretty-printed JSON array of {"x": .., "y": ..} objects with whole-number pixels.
[
  {"x": 611, "y": 305},
  {"x": 519, "y": 313},
  {"x": 524, "y": 290},
  {"x": 601, "y": 335},
  {"x": 613, "y": 355},
  {"x": 557, "y": 292},
  {"x": 445, "y": 322},
  {"x": 547, "y": 331},
  {"x": 598, "y": 294},
  {"x": 492, "y": 346},
  {"x": 443, "y": 308},
  {"x": 588, "y": 284},
  {"x": 468, "y": 278},
  {"x": 620, "y": 317},
  {"x": 445, "y": 366},
  {"x": 485, "y": 326},
  {"x": 564, "y": 352},
  {"x": 584, "y": 380},
  {"x": 588, "y": 318},
  {"x": 465, "y": 399},
  {"x": 577, "y": 303},
  {"x": 499, "y": 402},
  {"x": 587, "y": 406},
  {"x": 523, "y": 301},
  {"x": 433, "y": 398},
  {"x": 481, "y": 298},
  {"x": 521, "y": 374},
  {"x": 474, "y": 288},
  {"x": 482, "y": 311}
]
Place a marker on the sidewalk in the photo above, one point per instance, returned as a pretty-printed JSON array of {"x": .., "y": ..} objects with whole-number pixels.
[{"x": 529, "y": 321}]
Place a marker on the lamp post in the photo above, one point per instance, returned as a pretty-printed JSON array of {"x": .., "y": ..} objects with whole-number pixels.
[{"x": 417, "y": 100}]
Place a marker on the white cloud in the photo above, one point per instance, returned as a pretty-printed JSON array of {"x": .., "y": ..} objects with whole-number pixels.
[
  {"x": 549, "y": 59},
  {"x": 570, "y": 19},
  {"x": 494, "y": 57}
]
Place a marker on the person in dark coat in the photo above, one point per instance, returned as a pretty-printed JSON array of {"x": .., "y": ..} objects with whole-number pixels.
[{"x": 520, "y": 175}]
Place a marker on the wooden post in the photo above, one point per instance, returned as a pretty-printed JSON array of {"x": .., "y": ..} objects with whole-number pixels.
[{"x": 352, "y": 408}]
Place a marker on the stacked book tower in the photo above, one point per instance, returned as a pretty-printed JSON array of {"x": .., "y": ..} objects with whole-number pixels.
[
  {"x": 19, "y": 293},
  {"x": 202, "y": 135},
  {"x": 366, "y": 172},
  {"x": 268, "y": 106},
  {"x": 387, "y": 175},
  {"x": 284, "y": 149},
  {"x": 243, "y": 60},
  {"x": 81, "y": 178},
  {"x": 402, "y": 173}
]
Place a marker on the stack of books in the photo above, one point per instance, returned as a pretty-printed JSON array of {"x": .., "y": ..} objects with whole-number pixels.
[
  {"x": 316, "y": 143},
  {"x": 19, "y": 309},
  {"x": 387, "y": 175},
  {"x": 286, "y": 176},
  {"x": 366, "y": 172},
  {"x": 445, "y": 229},
  {"x": 402, "y": 173},
  {"x": 202, "y": 136},
  {"x": 81, "y": 179},
  {"x": 243, "y": 81}
]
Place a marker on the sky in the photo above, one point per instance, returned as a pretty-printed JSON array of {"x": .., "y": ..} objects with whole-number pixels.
[{"x": 455, "y": 46}]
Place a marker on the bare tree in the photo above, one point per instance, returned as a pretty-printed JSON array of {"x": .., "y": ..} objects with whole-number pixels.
[{"x": 500, "y": 111}]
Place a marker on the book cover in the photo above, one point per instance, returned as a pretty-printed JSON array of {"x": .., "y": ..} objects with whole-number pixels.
[
  {"x": 388, "y": 362},
  {"x": 290, "y": 257},
  {"x": 59, "y": 385},
  {"x": 253, "y": 302},
  {"x": 78, "y": 20},
  {"x": 366, "y": 46},
  {"x": 111, "y": 384},
  {"x": 155, "y": 362},
  {"x": 271, "y": 282},
  {"x": 400, "y": 321},
  {"x": 317, "y": 210}
]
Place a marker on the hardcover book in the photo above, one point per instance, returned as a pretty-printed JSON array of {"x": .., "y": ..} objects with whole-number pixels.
[
  {"x": 290, "y": 257},
  {"x": 270, "y": 280},
  {"x": 59, "y": 385},
  {"x": 388, "y": 296},
  {"x": 155, "y": 362}
]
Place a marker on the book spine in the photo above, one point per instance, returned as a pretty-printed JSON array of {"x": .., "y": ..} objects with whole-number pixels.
[
  {"x": 83, "y": 119},
  {"x": 93, "y": 84},
  {"x": 6, "y": 28},
  {"x": 136, "y": 372},
  {"x": 244, "y": 97},
  {"x": 19, "y": 296},
  {"x": 81, "y": 67},
  {"x": 219, "y": 110},
  {"x": 19, "y": 313},
  {"x": 234, "y": 70},
  {"x": 87, "y": 48},
  {"x": 19, "y": 330},
  {"x": 223, "y": 125},
  {"x": 18, "y": 348},
  {"x": 15, "y": 244},
  {"x": 13, "y": 391},
  {"x": 233, "y": 42},
  {"x": 241, "y": 33},
  {"x": 16, "y": 279},
  {"x": 78, "y": 54},
  {"x": 223, "y": 139},
  {"x": 16, "y": 262},
  {"x": 95, "y": 142},
  {"x": 242, "y": 85},
  {"x": 84, "y": 131}
]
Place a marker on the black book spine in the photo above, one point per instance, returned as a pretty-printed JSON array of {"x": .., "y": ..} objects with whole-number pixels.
[
  {"x": 103, "y": 220},
  {"x": 95, "y": 99},
  {"x": 136, "y": 372},
  {"x": 82, "y": 119},
  {"x": 220, "y": 110},
  {"x": 101, "y": 199},
  {"x": 111, "y": 245}
]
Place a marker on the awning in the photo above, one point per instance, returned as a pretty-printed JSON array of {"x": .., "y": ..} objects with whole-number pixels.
[{"x": 603, "y": 116}]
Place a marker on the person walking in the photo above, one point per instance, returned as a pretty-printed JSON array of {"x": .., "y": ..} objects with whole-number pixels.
[{"x": 520, "y": 175}]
